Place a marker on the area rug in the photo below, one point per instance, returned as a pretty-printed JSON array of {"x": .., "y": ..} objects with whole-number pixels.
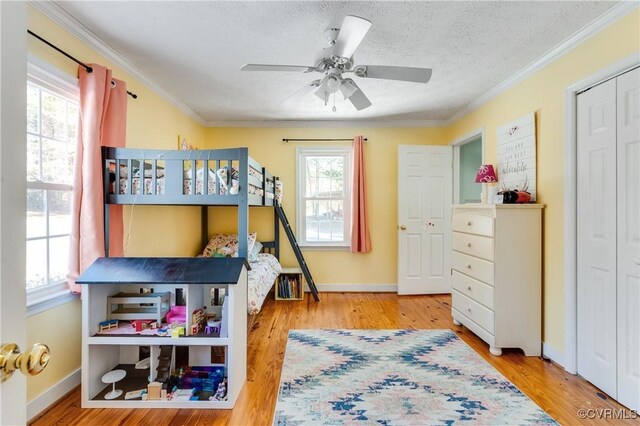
[{"x": 395, "y": 377}]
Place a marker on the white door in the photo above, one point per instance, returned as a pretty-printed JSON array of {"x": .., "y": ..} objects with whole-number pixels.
[
  {"x": 424, "y": 219},
  {"x": 596, "y": 236},
  {"x": 608, "y": 243},
  {"x": 13, "y": 83},
  {"x": 628, "y": 184}
]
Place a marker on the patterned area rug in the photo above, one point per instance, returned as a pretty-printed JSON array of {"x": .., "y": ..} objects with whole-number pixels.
[{"x": 395, "y": 377}]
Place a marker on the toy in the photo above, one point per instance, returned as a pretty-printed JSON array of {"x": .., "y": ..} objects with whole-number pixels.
[
  {"x": 111, "y": 377},
  {"x": 221, "y": 393},
  {"x": 197, "y": 321},
  {"x": 177, "y": 331},
  {"x": 213, "y": 326},
  {"x": 177, "y": 314},
  {"x": 140, "y": 325},
  {"x": 108, "y": 325},
  {"x": 154, "y": 391}
]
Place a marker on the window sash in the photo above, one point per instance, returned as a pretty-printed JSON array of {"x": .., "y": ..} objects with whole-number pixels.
[
  {"x": 48, "y": 82},
  {"x": 303, "y": 155}
]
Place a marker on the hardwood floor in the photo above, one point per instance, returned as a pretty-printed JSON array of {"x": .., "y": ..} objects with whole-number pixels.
[{"x": 559, "y": 393}]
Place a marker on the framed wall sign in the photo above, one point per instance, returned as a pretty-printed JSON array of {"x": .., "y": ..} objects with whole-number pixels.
[{"x": 517, "y": 155}]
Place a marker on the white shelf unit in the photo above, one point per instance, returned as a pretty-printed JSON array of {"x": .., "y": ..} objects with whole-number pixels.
[{"x": 103, "y": 353}]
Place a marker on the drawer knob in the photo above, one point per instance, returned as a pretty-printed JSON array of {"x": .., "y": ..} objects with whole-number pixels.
[
  {"x": 468, "y": 244},
  {"x": 468, "y": 309},
  {"x": 469, "y": 287},
  {"x": 469, "y": 223},
  {"x": 468, "y": 266}
]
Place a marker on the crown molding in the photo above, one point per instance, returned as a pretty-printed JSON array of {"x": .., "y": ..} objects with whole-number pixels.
[
  {"x": 612, "y": 15},
  {"x": 66, "y": 21},
  {"x": 326, "y": 123}
]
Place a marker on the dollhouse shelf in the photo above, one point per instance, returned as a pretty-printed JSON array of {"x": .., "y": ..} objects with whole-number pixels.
[{"x": 113, "y": 284}]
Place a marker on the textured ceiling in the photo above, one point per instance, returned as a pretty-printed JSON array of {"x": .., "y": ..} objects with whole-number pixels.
[{"x": 194, "y": 50}]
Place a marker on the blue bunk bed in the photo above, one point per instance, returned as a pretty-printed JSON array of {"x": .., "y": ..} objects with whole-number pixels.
[{"x": 205, "y": 178}]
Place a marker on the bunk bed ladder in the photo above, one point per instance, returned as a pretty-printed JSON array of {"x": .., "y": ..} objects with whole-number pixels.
[{"x": 296, "y": 250}]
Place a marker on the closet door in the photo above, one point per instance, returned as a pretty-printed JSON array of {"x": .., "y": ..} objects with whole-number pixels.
[
  {"x": 628, "y": 174},
  {"x": 596, "y": 236}
]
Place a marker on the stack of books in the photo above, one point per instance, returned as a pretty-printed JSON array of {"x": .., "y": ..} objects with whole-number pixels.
[{"x": 289, "y": 287}]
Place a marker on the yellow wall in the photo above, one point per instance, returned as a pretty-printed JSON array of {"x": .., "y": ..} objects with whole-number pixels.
[
  {"x": 543, "y": 93},
  {"x": 152, "y": 122},
  {"x": 329, "y": 267}
]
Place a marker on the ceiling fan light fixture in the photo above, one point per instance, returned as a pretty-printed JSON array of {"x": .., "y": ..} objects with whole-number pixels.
[{"x": 331, "y": 83}]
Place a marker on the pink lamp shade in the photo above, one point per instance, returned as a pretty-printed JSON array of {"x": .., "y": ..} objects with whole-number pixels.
[{"x": 486, "y": 174}]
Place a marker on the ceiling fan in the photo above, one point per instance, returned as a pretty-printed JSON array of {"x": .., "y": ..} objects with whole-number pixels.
[{"x": 337, "y": 59}]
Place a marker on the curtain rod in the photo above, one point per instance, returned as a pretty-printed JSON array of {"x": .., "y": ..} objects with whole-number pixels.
[
  {"x": 287, "y": 140},
  {"x": 86, "y": 67}
]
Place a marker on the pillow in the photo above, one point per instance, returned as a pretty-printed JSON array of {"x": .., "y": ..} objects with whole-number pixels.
[
  {"x": 253, "y": 254},
  {"x": 226, "y": 245}
]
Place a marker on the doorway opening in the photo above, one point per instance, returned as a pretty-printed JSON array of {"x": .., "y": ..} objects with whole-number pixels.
[{"x": 468, "y": 156}]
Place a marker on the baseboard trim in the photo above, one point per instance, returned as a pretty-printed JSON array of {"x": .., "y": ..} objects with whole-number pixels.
[
  {"x": 356, "y": 288},
  {"x": 553, "y": 354},
  {"x": 53, "y": 395}
]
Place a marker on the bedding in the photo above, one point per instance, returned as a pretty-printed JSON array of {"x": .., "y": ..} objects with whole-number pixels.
[
  {"x": 226, "y": 245},
  {"x": 219, "y": 175},
  {"x": 262, "y": 276}
]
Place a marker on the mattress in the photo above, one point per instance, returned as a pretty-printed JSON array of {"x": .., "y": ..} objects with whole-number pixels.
[{"x": 262, "y": 276}]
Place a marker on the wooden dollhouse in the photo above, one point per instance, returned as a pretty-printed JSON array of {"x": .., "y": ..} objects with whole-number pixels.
[{"x": 104, "y": 284}]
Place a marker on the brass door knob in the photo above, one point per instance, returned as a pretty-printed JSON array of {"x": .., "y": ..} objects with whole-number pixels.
[
  {"x": 403, "y": 228},
  {"x": 30, "y": 363}
]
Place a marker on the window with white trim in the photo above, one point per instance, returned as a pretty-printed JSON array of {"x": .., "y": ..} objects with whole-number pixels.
[
  {"x": 324, "y": 196},
  {"x": 52, "y": 125}
]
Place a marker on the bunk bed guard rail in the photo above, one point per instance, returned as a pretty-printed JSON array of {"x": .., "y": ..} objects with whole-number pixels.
[{"x": 214, "y": 177}]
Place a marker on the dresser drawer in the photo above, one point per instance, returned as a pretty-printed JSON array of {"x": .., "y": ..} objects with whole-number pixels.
[
  {"x": 476, "y": 268},
  {"x": 473, "y": 310},
  {"x": 474, "y": 245},
  {"x": 472, "y": 223},
  {"x": 474, "y": 289}
]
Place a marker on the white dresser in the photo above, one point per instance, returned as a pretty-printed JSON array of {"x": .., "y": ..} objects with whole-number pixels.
[{"x": 497, "y": 273}]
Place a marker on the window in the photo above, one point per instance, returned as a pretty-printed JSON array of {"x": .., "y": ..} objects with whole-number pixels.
[
  {"x": 52, "y": 125},
  {"x": 324, "y": 196}
]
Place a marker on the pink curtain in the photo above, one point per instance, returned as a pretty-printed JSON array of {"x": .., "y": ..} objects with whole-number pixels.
[
  {"x": 360, "y": 239},
  {"x": 103, "y": 114}
]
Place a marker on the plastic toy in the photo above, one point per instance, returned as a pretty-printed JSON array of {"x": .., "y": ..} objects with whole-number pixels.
[
  {"x": 177, "y": 314},
  {"x": 140, "y": 325},
  {"x": 177, "y": 331},
  {"x": 221, "y": 393}
]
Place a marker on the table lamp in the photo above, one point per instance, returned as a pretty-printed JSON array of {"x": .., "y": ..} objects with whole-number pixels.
[{"x": 486, "y": 174}]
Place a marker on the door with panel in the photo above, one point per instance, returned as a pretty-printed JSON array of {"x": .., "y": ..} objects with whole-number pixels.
[
  {"x": 596, "y": 236},
  {"x": 608, "y": 231},
  {"x": 425, "y": 192},
  {"x": 628, "y": 221}
]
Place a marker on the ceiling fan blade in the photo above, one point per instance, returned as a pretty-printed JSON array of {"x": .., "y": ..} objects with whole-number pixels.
[
  {"x": 416, "y": 75},
  {"x": 351, "y": 33},
  {"x": 307, "y": 88},
  {"x": 351, "y": 91},
  {"x": 264, "y": 67}
]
